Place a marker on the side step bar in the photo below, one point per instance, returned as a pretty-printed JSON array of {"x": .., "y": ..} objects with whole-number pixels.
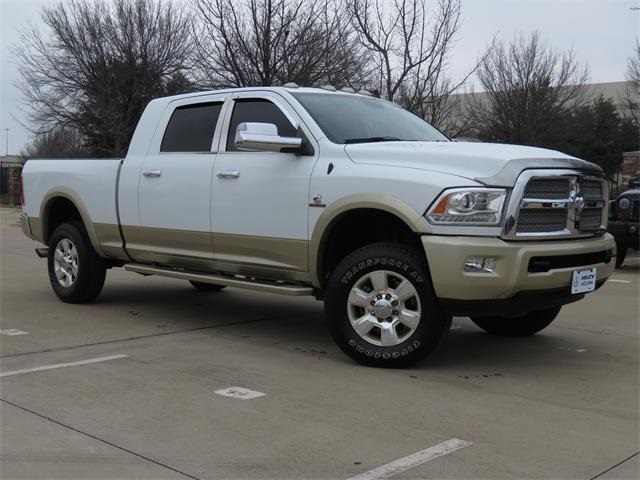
[{"x": 239, "y": 282}]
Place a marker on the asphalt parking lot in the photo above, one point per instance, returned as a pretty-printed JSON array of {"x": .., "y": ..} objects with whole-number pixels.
[{"x": 128, "y": 388}]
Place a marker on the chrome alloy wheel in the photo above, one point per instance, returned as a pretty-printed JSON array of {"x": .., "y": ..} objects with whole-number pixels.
[
  {"x": 65, "y": 262},
  {"x": 384, "y": 308}
]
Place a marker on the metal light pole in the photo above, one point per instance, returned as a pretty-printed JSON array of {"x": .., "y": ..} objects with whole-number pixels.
[{"x": 6, "y": 148}]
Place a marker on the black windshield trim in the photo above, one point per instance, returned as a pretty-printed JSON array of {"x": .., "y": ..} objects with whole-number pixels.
[{"x": 374, "y": 139}]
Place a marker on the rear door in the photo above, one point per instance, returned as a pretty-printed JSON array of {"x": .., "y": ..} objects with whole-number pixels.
[
  {"x": 260, "y": 209},
  {"x": 175, "y": 186}
]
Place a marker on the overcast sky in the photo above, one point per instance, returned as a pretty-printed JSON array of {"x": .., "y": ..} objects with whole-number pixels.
[{"x": 602, "y": 33}]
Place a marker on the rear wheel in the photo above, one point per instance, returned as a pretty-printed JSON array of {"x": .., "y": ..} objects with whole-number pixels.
[
  {"x": 207, "y": 287},
  {"x": 76, "y": 272},
  {"x": 518, "y": 326},
  {"x": 381, "y": 309}
]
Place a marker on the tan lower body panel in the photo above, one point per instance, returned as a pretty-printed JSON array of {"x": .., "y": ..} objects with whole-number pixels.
[
  {"x": 163, "y": 245},
  {"x": 35, "y": 225},
  {"x": 446, "y": 257},
  {"x": 264, "y": 257},
  {"x": 110, "y": 240},
  {"x": 266, "y": 251}
]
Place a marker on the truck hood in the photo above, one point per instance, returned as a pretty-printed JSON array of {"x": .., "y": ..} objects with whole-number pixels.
[{"x": 489, "y": 163}]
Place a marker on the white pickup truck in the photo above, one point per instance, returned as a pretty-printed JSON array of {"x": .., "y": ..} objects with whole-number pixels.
[{"x": 350, "y": 198}]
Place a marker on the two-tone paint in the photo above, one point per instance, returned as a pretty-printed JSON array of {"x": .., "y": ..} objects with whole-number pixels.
[{"x": 180, "y": 209}]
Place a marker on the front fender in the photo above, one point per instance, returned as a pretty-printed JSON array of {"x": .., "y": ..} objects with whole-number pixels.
[{"x": 387, "y": 203}]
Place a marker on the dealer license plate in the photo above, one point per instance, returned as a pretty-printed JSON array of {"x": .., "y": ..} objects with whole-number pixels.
[{"x": 584, "y": 280}]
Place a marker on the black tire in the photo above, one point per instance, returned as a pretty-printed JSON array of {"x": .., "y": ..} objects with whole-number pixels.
[
  {"x": 207, "y": 287},
  {"x": 621, "y": 253},
  {"x": 91, "y": 269},
  {"x": 518, "y": 326},
  {"x": 401, "y": 263}
]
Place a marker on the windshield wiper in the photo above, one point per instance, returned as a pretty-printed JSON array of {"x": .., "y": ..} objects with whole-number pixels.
[{"x": 373, "y": 139}]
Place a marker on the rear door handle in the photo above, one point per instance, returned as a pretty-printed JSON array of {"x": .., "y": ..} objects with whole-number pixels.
[
  {"x": 152, "y": 173},
  {"x": 227, "y": 174}
]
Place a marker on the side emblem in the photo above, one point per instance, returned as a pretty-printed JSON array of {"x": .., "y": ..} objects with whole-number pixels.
[{"x": 317, "y": 201}]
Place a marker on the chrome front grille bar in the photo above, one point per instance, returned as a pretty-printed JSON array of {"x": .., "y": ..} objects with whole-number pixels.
[{"x": 525, "y": 215}]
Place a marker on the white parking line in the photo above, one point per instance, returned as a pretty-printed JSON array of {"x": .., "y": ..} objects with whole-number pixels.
[
  {"x": 615, "y": 280},
  {"x": 239, "y": 392},
  {"x": 61, "y": 365},
  {"x": 413, "y": 460},
  {"x": 13, "y": 331}
]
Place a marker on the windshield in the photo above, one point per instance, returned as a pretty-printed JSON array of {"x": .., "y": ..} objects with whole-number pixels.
[{"x": 360, "y": 119}]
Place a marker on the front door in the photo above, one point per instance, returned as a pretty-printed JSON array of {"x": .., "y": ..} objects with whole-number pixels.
[
  {"x": 175, "y": 187},
  {"x": 260, "y": 208}
]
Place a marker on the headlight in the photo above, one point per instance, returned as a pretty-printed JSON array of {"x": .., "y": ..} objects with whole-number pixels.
[{"x": 468, "y": 206}]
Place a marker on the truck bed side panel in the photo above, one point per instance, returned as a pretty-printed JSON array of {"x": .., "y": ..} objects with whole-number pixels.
[{"x": 91, "y": 186}]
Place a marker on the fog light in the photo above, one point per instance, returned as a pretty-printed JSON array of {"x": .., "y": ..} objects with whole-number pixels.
[{"x": 480, "y": 264}]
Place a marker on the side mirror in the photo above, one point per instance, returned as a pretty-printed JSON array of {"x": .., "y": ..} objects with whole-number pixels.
[{"x": 263, "y": 136}]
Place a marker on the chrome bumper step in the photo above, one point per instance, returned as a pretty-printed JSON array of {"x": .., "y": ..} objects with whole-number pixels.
[{"x": 230, "y": 281}]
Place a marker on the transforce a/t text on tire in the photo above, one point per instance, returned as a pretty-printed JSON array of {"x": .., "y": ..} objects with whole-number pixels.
[{"x": 381, "y": 309}]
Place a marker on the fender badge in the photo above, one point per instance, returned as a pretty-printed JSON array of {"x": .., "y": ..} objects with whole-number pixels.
[{"x": 317, "y": 201}]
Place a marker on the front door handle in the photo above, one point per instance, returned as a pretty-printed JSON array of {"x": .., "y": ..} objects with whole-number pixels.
[
  {"x": 152, "y": 173},
  {"x": 227, "y": 174}
]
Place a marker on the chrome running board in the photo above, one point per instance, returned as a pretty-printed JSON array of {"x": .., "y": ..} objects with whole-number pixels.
[{"x": 231, "y": 281}]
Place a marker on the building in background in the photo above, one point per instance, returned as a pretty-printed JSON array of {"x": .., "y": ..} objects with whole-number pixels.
[
  {"x": 10, "y": 170},
  {"x": 630, "y": 171},
  {"x": 611, "y": 90}
]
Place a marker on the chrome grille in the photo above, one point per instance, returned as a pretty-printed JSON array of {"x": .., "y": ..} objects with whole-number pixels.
[
  {"x": 592, "y": 189},
  {"x": 541, "y": 220},
  {"x": 548, "y": 189},
  {"x": 556, "y": 204},
  {"x": 591, "y": 219}
]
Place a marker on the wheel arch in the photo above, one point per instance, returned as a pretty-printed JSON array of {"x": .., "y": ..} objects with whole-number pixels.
[
  {"x": 67, "y": 205},
  {"x": 349, "y": 208}
]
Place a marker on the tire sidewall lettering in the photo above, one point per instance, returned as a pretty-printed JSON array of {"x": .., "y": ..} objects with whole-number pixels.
[
  {"x": 355, "y": 270},
  {"x": 385, "y": 261}
]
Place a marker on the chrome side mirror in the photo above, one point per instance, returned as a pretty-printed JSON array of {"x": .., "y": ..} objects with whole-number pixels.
[{"x": 263, "y": 136}]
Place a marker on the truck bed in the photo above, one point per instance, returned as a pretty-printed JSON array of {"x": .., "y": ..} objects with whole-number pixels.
[{"x": 90, "y": 183}]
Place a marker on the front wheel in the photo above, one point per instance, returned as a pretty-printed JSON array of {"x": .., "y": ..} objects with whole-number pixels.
[
  {"x": 518, "y": 326},
  {"x": 621, "y": 253},
  {"x": 381, "y": 309},
  {"x": 76, "y": 272}
]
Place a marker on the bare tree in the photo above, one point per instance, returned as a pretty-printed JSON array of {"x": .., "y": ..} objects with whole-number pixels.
[
  {"x": 267, "y": 42},
  {"x": 528, "y": 88},
  {"x": 631, "y": 98},
  {"x": 408, "y": 45},
  {"x": 99, "y": 64},
  {"x": 61, "y": 142}
]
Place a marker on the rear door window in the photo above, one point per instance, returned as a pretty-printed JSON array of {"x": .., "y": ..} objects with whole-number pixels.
[{"x": 191, "y": 128}]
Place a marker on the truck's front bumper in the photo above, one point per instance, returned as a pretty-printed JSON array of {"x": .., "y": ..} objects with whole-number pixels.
[{"x": 527, "y": 275}]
